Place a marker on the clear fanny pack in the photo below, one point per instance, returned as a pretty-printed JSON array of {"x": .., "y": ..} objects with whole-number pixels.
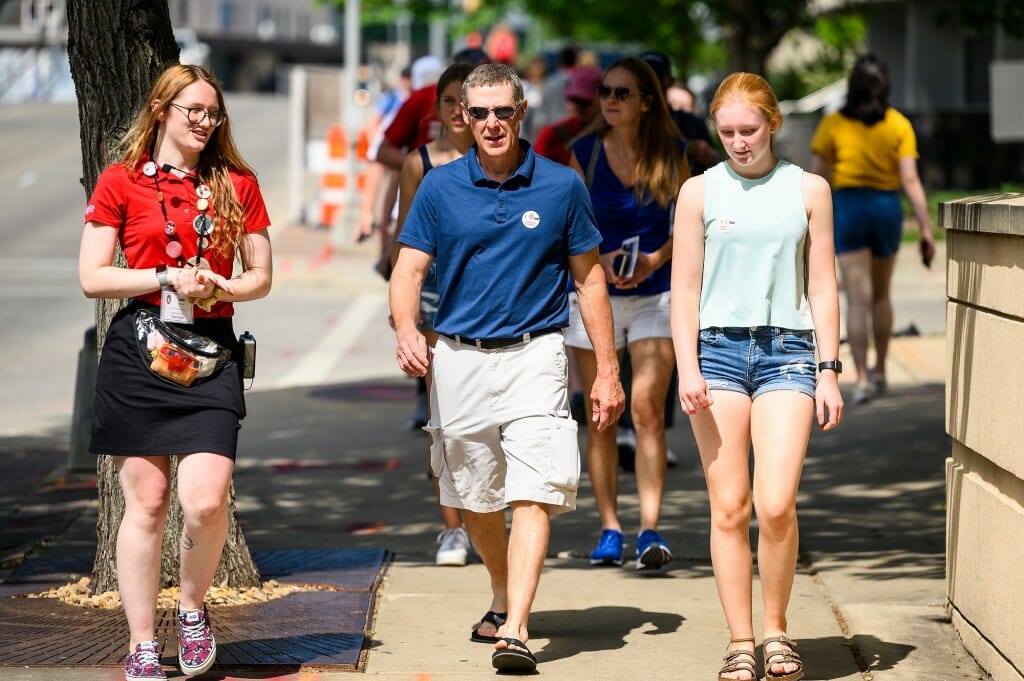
[{"x": 176, "y": 354}]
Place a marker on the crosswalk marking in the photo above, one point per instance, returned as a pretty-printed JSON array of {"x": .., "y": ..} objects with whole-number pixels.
[{"x": 311, "y": 369}]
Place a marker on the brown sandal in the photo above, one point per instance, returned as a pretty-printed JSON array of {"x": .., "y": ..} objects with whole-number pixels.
[
  {"x": 785, "y": 656},
  {"x": 733, "y": 663}
]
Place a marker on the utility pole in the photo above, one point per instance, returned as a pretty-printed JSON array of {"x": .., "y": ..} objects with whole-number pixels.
[{"x": 341, "y": 231}]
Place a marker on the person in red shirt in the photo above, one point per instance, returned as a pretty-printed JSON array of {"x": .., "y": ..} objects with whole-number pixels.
[
  {"x": 181, "y": 203},
  {"x": 416, "y": 123},
  {"x": 554, "y": 141}
]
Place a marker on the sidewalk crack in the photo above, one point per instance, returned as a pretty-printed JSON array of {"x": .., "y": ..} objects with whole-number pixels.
[{"x": 837, "y": 612}]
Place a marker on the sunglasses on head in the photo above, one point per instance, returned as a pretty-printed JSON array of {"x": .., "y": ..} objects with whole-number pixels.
[
  {"x": 502, "y": 113},
  {"x": 621, "y": 93}
]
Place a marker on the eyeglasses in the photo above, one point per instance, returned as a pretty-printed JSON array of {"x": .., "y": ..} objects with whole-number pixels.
[
  {"x": 197, "y": 115},
  {"x": 502, "y": 113},
  {"x": 621, "y": 93}
]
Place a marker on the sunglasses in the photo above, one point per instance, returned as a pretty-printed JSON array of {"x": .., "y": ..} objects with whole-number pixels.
[
  {"x": 621, "y": 93},
  {"x": 502, "y": 113}
]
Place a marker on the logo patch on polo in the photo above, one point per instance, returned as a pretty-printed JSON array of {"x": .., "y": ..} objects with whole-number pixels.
[{"x": 531, "y": 219}]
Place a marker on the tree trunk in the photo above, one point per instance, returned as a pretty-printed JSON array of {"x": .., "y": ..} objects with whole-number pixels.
[
  {"x": 116, "y": 49},
  {"x": 752, "y": 29}
]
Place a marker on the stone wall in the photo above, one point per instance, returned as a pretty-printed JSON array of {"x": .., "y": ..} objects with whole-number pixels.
[{"x": 985, "y": 418}]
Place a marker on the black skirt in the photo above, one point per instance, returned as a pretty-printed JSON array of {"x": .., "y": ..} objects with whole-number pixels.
[{"x": 136, "y": 413}]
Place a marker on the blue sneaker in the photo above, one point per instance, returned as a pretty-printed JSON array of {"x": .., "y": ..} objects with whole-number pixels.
[
  {"x": 609, "y": 549},
  {"x": 651, "y": 551}
]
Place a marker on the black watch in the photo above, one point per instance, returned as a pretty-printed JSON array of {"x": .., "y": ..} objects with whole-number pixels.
[{"x": 833, "y": 365}]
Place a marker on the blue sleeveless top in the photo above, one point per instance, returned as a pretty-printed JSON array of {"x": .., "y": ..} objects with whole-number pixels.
[{"x": 620, "y": 216}]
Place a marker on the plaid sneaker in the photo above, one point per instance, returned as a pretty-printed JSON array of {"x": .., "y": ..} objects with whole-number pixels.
[
  {"x": 144, "y": 663},
  {"x": 197, "y": 648}
]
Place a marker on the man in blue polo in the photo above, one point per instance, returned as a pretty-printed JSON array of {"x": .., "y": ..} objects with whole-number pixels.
[{"x": 506, "y": 228}]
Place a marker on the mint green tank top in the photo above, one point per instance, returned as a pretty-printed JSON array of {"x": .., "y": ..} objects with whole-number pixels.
[{"x": 755, "y": 256}]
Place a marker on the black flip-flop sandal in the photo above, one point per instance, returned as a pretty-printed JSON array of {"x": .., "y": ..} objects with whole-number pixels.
[
  {"x": 495, "y": 618},
  {"x": 513, "y": 660}
]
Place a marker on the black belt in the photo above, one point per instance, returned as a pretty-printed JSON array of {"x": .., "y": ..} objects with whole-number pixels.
[{"x": 499, "y": 343}]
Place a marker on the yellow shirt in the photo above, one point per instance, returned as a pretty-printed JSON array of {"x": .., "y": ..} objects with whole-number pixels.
[{"x": 863, "y": 156}]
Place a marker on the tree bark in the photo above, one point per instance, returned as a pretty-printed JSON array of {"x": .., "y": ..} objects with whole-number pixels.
[{"x": 116, "y": 49}]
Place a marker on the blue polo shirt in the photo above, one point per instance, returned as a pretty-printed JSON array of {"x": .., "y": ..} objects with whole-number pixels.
[{"x": 502, "y": 249}]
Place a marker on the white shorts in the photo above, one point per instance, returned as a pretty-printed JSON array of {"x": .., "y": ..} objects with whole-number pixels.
[
  {"x": 500, "y": 426},
  {"x": 633, "y": 318}
]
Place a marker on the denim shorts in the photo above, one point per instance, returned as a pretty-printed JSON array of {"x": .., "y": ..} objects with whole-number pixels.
[
  {"x": 759, "y": 359},
  {"x": 868, "y": 218}
]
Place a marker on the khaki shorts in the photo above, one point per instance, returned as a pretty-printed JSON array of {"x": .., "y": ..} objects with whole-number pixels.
[
  {"x": 500, "y": 426},
  {"x": 633, "y": 318}
]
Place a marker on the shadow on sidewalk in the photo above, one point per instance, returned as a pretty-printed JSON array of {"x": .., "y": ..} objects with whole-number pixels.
[
  {"x": 874, "y": 488},
  {"x": 574, "y": 632}
]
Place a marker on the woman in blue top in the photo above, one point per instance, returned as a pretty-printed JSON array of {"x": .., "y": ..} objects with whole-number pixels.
[
  {"x": 634, "y": 161},
  {"x": 753, "y": 288}
]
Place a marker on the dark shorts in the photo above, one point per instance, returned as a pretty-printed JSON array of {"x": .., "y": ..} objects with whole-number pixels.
[
  {"x": 868, "y": 218},
  {"x": 136, "y": 413},
  {"x": 757, "y": 360}
]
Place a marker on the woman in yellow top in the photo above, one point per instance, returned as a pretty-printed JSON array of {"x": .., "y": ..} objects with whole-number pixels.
[{"x": 869, "y": 152}]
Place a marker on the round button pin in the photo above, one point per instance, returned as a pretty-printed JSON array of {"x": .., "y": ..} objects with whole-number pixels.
[{"x": 203, "y": 224}]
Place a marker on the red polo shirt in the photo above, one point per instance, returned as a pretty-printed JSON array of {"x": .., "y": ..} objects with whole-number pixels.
[
  {"x": 128, "y": 201},
  {"x": 416, "y": 122}
]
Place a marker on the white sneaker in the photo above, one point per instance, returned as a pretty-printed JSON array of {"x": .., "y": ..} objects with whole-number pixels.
[
  {"x": 863, "y": 393},
  {"x": 671, "y": 458},
  {"x": 626, "y": 437},
  {"x": 878, "y": 381},
  {"x": 453, "y": 547}
]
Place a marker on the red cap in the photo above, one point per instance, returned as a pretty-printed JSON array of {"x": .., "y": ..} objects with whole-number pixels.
[{"x": 583, "y": 82}]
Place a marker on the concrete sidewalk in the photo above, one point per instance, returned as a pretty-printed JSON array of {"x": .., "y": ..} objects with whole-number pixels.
[{"x": 334, "y": 466}]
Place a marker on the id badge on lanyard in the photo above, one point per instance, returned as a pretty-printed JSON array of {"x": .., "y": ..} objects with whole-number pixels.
[{"x": 174, "y": 308}]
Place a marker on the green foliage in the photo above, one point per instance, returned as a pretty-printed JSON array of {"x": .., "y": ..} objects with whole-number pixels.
[
  {"x": 665, "y": 25},
  {"x": 668, "y": 26},
  {"x": 842, "y": 35},
  {"x": 841, "y": 38},
  {"x": 698, "y": 35}
]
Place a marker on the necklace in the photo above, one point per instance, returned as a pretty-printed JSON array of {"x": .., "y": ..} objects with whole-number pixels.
[{"x": 202, "y": 224}]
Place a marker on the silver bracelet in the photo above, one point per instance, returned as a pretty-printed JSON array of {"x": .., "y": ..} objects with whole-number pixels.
[{"x": 161, "y": 277}]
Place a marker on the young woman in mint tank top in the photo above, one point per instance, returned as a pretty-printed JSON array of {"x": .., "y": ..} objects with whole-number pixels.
[{"x": 754, "y": 298}]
